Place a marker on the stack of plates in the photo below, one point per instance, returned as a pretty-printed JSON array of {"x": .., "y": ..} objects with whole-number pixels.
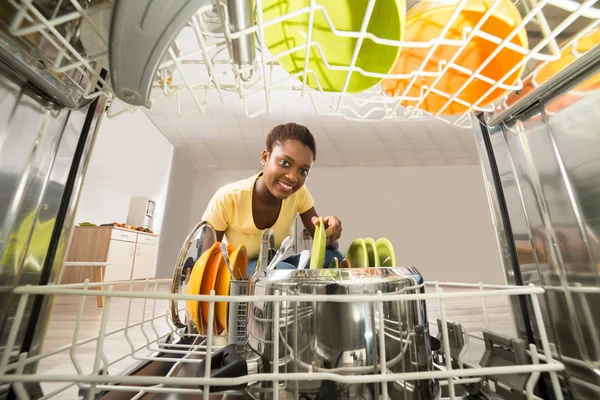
[
  {"x": 211, "y": 273},
  {"x": 366, "y": 253}
]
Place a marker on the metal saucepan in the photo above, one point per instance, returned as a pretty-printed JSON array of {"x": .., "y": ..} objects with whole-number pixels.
[{"x": 338, "y": 337}]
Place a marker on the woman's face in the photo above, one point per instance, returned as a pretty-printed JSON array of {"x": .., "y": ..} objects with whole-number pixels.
[{"x": 286, "y": 168}]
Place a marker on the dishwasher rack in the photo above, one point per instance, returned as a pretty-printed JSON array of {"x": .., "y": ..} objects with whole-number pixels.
[
  {"x": 198, "y": 72},
  {"x": 148, "y": 335}
]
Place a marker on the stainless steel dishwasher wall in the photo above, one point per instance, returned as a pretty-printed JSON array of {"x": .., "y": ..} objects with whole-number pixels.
[
  {"x": 44, "y": 148},
  {"x": 542, "y": 170}
]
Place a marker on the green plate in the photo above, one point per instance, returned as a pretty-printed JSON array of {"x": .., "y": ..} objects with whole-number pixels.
[
  {"x": 317, "y": 256},
  {"x": 334, "y": 263},
  {"x": 372, "y": 252},
  {"x": 386, "y": 22},
  {"x": 357, "y": 254},
  {"x": 385, "y": 251}
]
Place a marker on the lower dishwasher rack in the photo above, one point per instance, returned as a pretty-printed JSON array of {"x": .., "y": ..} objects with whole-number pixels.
[{"x": 130, "y": 349}]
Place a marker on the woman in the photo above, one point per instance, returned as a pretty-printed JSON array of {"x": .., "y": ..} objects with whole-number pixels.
[{"x": 242, "y": 210}]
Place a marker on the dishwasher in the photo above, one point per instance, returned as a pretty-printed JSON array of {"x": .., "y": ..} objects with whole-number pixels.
[{"x": 65, "y": 65}]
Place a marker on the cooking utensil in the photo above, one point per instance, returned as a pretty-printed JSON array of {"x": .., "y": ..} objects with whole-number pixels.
[
  {"x": 226, "y": 258},
  {"x": 310, "y": 331},
  {"x": 285, "y": 246},
  {"x": 334, "y": 263},
  {"x": 267, "y": 243},
  {"x": 317, "y": 256},
  {"x": 304, "y": 258},
  {"x": 426, "y": 21},
  {"x": 372, "y": 252},
  {"x": 327, "y": 47}
]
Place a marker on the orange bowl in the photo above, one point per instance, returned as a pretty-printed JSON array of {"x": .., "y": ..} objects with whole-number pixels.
[
  {"x": 551, "y": 68},
  {"x": 425, "y": 22}
]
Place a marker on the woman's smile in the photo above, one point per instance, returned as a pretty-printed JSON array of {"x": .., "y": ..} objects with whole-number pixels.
[{"x": 288, "y": 188}]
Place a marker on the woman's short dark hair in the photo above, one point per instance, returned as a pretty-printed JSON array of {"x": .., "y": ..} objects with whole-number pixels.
[{"x": 291, "y": 131}]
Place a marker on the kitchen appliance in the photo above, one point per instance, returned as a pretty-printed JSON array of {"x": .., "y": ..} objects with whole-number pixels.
[
  {"x": 141, "y": 212},
  {"x": 540, "y": 160}
]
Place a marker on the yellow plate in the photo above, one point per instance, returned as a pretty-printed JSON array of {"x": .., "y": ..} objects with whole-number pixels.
[
  {"x": 195, "y": 283},
  {"x": 239, "y": 265}
]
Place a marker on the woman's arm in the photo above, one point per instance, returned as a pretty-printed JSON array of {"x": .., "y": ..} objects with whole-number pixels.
[
  {"x": 333, "y": 226},
  {"x": 208, "y": 243}
]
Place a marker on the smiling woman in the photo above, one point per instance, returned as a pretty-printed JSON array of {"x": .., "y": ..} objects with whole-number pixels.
[{"x": 240, "y": 211}]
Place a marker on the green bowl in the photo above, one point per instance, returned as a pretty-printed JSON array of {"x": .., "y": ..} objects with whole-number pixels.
[{"x": 387, "y": 22}]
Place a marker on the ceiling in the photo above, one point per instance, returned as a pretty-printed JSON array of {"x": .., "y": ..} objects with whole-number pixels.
[{"x": 224, "y": 137}]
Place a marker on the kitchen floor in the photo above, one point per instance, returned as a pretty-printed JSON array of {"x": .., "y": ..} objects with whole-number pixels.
[{"x": 117, "y": 346}]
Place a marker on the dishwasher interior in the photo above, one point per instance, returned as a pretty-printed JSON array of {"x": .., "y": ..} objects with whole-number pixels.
[{"x": 65, "y": 65}]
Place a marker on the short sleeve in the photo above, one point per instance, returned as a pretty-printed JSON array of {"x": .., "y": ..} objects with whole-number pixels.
[
  {"x": 305, "y": 200},
  {"x": 217, "y": 212}
]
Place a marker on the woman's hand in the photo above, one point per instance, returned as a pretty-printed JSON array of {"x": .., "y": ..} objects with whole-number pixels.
[{"x": 333, "y": 228}]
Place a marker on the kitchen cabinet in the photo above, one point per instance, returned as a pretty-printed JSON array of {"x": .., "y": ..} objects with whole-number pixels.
[
  {"x": 145, "y": 260},
  {"x": 131, "y": 254},
  {"x": 121, "y": 256}
]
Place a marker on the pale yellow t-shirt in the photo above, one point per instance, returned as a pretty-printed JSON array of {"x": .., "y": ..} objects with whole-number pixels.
[{"x": 230, "y": 210}]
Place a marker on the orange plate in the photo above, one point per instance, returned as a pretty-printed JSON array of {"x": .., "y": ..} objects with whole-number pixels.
[
  {"x": 195, "y": 282},
  {"x": 209, "y": 282},
  {"x": 239, "y": 265},
  {"x": 425, "y": 22}
]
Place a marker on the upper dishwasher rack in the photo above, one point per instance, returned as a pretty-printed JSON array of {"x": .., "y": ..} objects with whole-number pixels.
[{"x": 190, "y": 59}]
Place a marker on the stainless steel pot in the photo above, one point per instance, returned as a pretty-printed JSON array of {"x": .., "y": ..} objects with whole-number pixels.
[{"x": 341, "y": 337}]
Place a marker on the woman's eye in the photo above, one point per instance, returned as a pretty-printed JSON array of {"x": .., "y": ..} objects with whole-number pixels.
[
  {"x": 304, "y": 172},
  {"x": 284, "y": 163}
]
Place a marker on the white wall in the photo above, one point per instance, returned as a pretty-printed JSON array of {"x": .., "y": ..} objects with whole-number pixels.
[
  {"x": 131, "y": 157},
  {"x": 206, "y": 184},
  {"x": 437, "y": 218},
  {"x": 177, "y": 222}
]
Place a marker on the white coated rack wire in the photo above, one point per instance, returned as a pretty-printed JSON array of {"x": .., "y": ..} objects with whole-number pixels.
[
  {"x": 199, "y": 71},
  {"x": 134, "y": 326}
]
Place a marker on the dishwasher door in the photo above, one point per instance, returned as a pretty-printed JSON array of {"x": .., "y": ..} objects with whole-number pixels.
[
  {"x": 44, "y": 149},
  {"x": 541, "y": 163}
]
